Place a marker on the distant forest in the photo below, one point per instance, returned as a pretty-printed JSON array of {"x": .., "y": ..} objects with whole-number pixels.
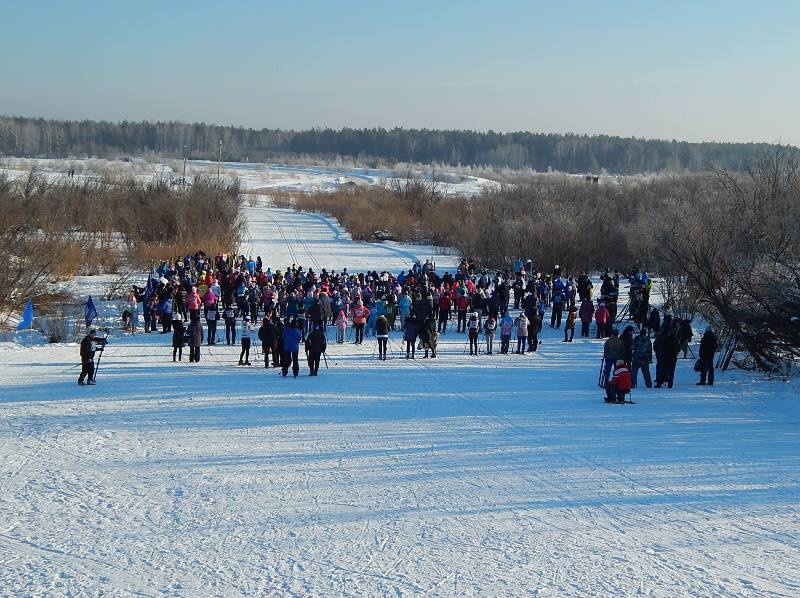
[{"x": 36, "y": 137}]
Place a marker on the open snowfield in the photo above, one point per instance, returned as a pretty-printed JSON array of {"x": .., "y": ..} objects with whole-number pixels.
[{"x": 480, "y": 476}]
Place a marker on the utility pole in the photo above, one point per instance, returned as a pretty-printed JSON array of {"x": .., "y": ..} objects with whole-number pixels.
[{"x": 219, "y": 159}]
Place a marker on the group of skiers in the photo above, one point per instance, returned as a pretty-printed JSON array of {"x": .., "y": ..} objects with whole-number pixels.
[{"x": 293, "y": 308}]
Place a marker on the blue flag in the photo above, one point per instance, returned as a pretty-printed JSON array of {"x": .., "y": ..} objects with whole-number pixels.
[
  {"x": 91, "y": 312},
  {"x": 27, "y": 317},
  {"x": 148, "y": 290}
]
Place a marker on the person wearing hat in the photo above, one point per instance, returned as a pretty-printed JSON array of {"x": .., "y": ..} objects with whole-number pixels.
[
  {"x": 245, "y": 334},
  {"x": 613, "y": 350},
  {"x": 620, "y": 383},
  {"x": 708, "y": 346},
  {"x": 89, "y": 345}
]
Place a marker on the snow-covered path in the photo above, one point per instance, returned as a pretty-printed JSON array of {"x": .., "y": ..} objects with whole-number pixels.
[
  {"x": 491, "y": 475},
  {"x": 285, "y": 237}
]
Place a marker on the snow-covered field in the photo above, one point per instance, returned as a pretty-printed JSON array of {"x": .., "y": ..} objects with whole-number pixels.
[
  {"x": 252, "y": 176},
  {"x": 481, "y": 476}
]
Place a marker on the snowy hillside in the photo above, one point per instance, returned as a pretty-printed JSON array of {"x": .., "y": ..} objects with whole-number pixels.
[{"x": 480, "y": 476}]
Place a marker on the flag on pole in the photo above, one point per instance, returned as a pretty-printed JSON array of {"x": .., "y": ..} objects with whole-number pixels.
[
  {"x": 27, "y": 317},
  {"x": 148, "y": 290},
  {"x": 91, "y": 312}
]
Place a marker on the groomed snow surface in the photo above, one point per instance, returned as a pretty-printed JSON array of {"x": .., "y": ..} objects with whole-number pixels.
[{"x": 483, "y": 476}]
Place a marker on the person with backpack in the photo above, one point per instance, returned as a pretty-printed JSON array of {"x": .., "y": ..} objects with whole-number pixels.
[
  {"x": 489, "y": 329},
  {"x": 266, "y": 334},
  {"x": 521, "y": 323},
  {"x": 382, "y": 334},
  {"x": 316, "y": 345},
  {"x": 230, "y": 324},
  {"x": 506, "y": 327},
  {"x": 642, "y": 357}
]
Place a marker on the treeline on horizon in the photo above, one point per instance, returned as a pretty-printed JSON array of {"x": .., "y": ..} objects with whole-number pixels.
[{"x": 569, "y": 153}]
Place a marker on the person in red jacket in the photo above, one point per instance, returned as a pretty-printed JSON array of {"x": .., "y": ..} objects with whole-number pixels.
[
  {"x": 462, "y": 304},
  {"x": 360, "y": 316},
  {"x": 620, "y": 383},
  {"x": 601, "y": 316},
  {"x": 444, "y": 312}
]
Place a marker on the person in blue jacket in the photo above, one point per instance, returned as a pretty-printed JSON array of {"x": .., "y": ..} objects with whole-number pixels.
[
  {"x": 165, "y": 310},
  {"x": 292, "y": 336}
]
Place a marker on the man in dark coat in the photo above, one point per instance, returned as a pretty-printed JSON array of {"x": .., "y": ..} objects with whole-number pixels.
[
  {"x": 89, "y": 345},
  {"x": 316, "y": 345},
  {"x": 666, "y": 347},
  {"x": 708, "y": 346},
  {"x": 267, "y": 336}
]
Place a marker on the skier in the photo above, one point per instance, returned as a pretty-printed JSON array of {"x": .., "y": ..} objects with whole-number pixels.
[
  {"x": 382, "y": 334},
  {"x": 488, "y": 332},
  {"x": 89, "y": 345},
  {"x": 506, "y": 326},
  {"x": 316, "y": 345},
  {"x": 586, "y": 312},
  {"x": 474, "y": 328},
  {"x": 360, "y": 317},
  {"x": 246, "y": 333},
  {"x": 266, "y": 334},
  {"x": 642, "y": 358},
  {"x": 292, "y": 335},
  {"x": 521, "y": 323},
  {"x": 708, "y": 346},
  {"x": 230, "y": 324},
  {"x": 429, "y": 337},
  {"x": 212, "y": 315},
  {"x": 341, "y": 326},
  {"x": 569, "y": 326}
]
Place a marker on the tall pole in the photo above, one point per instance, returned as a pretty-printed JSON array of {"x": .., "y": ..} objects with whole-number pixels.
[
  {"x": 184, "y": 165},
  {"x": 219, "y": 159}
]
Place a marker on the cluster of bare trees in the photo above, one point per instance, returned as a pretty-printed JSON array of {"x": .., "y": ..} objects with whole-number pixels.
[{"x": 53, "y": 230}]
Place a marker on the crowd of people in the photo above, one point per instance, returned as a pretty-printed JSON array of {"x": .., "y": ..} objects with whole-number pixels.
[{"x": 293, "y": 308}]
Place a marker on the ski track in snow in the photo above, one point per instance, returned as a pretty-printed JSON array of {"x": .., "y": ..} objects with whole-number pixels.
[{"x": 491, "y": 475}]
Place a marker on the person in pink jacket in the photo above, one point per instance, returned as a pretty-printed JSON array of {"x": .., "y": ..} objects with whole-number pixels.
[
  {"x": 193, "y": 303},
  {"x": 341, "y": 326}
]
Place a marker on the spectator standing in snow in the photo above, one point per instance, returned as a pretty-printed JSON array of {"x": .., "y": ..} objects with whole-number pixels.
[{"x": 708, "y": 347}]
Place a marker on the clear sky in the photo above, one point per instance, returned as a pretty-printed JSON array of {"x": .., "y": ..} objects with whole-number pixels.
[{"x": 697, "y": 70}]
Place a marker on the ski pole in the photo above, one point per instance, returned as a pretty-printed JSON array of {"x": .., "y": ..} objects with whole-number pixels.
[{"x": 325, "y": 357}]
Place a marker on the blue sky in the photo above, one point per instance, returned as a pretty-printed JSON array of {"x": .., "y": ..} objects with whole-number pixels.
[{"x": 721, "y": 70}]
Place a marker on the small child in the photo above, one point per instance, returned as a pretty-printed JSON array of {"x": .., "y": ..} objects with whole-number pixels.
[{"x": 341, "y": 326}]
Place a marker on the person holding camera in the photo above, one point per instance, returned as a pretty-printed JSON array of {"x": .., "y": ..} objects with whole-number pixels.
[{"x": 89, "y": 345}]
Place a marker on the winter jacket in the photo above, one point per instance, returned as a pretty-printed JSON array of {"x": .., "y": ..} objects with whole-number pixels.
[
  {"x": 266, "y": 334},
  {"x": 178, "y": 335},
  {"x": 360, "y": 314},
  {"x": 382, "y": 327},
  {"x": 708, "y": 346},
  {"x": 613, "y": 349},
  {"x": 490, "y": 326},
  {"x": 601, "y": 314},
  {"x": 316, "y": 343},
  {"x": 291, "y": 339},
  {"x": 642, "y": 349},
  {"x": 341, "y": 320},
  {"x": 586, "y": 311},
  {"x": 621, "y": 380},
  {"x": 666, "y": 346},
  {"x": 522, "y": 325},
  {"x": 411, "y": 329},
  {"x": 506, "y": 325},
  {"x": 195, "y": 331},
  {"x": 193, "y": 301}
]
